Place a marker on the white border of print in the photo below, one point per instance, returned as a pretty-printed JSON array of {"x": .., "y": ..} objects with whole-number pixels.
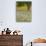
[{"x": 23, "y": 0}]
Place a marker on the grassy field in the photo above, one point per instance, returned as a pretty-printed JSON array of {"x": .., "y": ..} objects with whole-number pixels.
[
  {"x": 23, "y": 16},
  {"x": 23, "y": 8}
]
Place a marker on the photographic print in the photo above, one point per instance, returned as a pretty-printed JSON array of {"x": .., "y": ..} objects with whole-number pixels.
[{"x": 23, "y": 11}]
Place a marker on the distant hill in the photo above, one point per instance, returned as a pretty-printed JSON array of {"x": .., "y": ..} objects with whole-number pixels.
[{"x": 39, "y": 40}]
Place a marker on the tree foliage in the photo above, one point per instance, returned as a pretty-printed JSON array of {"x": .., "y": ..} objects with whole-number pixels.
[{"x": 23, "y": 3}]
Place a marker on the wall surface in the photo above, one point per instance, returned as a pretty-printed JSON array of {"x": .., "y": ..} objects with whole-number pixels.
[
  {"x": 37, "y": 28},
  {"x": 39, "y": 18}
]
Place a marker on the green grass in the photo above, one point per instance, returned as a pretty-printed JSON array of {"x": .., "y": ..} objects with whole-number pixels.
[
  {"x": 23, "y": 16},
  {"x": 22, "y": 8}
]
